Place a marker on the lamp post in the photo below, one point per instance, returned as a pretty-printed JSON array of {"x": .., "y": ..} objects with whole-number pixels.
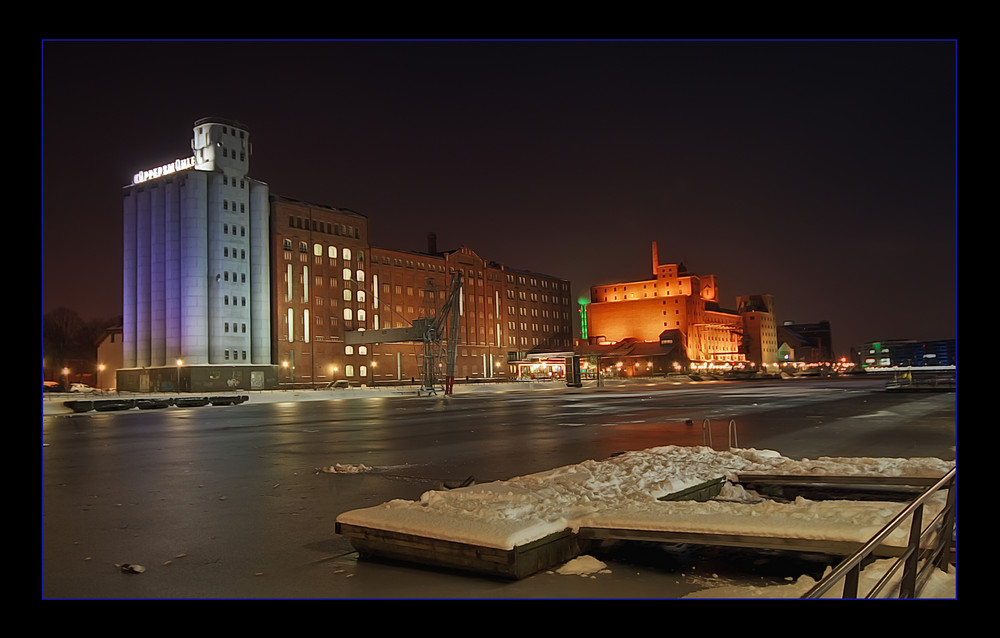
[{"x": 179, "y": 364}]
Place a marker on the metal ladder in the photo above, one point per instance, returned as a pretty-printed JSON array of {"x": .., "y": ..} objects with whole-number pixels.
[{"x": 706, "y": 433}]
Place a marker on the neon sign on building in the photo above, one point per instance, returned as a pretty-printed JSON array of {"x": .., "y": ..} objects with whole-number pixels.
[{"x": 166, "y": 169}]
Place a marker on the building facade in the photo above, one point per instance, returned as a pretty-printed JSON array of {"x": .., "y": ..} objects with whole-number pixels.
[
  {"x": 196, "y": 303},
  {"x": 760, "y": 330},
  {"x": 505, "y": 315},
  {"x": 806, "y": 342},
  {"x": 321, "y": 288},
  {"x": 680, "y": 310},
  {"x": 908, "y": 353},
  {"x": 329, "y": 281}
]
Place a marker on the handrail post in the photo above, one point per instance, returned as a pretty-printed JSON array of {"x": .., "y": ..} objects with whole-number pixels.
[
  {"x": 851, "y": 582},
  {"x": 706, "y": 433},
  {"x": 947, "y": 538},
  {"x": 908, "y": 587}
]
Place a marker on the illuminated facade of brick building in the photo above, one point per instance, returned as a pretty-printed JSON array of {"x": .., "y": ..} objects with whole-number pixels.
[
  {"x": 680, "y": 312},
  {"x": 329, "y": 280},
  {"x": 320, "y": 289}
]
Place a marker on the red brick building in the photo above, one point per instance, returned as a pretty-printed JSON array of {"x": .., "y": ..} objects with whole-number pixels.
[{"x": 327, "y": 280}]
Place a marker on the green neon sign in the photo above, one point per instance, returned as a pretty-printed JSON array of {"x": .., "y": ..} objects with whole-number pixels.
[{"x": 583, "y": 301}]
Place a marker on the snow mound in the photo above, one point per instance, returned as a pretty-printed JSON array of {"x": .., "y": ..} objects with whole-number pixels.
[{"x": 582, "y": 566}]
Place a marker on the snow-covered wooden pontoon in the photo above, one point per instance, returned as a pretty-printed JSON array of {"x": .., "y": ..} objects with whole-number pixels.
[{"x": 518, "y": 527}]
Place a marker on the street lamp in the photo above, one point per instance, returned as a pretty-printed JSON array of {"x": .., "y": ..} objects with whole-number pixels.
[{"x": 179, "y": 364}]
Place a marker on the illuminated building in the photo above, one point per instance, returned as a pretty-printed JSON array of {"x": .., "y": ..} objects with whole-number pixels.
[
  {"x": 679, "y": 313},
  {"x": 760, "y": 332},
  {"x": 196, "y": 306},
  {"x": 230, "y": 287},
  {"x": 908, "y": 353},
  {"x": 329, "y": 280},
  {"x": 321, "y": 288}
]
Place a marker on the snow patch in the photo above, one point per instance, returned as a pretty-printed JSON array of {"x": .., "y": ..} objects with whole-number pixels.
[{"x": 583, "y": 566}]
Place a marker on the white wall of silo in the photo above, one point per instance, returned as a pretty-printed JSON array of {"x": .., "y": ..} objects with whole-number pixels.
[
  {"x": 129, "y": 254},
  {"x": 216, "y": 265},
  {"x": 142, "y": 318},
  {"x": 172, "y": 272},
  {"x": 194, "y": 270},
  {"x": 157, "y": 298},
  {"x": 260, "y": 274}
]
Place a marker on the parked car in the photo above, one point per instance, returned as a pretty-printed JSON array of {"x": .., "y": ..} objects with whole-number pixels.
[
  {"x": 52, "y": 386},
  {"x": 81, "y": 387}
]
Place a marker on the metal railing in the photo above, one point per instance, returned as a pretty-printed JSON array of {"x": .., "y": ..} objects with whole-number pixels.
[{"x": 936, "y": 555}]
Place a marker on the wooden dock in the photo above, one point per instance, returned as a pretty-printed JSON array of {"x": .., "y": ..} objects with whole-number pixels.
[
  {"x": 517, "y": 563},
  {"x": 557, "y": 548}
]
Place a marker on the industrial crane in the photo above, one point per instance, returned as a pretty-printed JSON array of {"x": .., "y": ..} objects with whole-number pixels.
[{"x": 437, "y": 332}]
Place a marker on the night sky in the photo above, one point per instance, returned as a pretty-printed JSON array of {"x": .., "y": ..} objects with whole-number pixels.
[{"x": 822, "y": 172}]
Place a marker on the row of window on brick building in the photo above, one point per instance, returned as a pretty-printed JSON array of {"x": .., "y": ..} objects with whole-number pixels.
[{"x": 330, "y": 228}]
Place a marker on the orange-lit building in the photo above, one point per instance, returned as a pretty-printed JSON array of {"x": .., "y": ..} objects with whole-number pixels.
[
  {"x": 328, "y": 280},
  {"x": 679, "y": 311}
]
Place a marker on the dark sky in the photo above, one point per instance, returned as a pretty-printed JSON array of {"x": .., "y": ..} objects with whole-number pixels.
[{"x": 822, "y": 172}]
